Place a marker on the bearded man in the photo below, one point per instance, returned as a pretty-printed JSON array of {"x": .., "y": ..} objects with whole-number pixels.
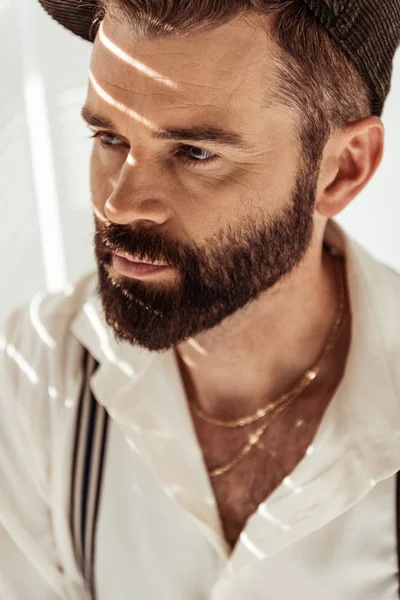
[{"x": 215, "y": 412}]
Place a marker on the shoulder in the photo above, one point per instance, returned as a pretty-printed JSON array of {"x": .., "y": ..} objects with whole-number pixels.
[
  {"x": 39, "y": 372},
  {"x": 379, "y": 289},
  {"x": 37, "y": 336}
]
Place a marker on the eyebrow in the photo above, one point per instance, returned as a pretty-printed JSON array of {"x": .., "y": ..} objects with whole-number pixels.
[{"x": 197, "y": 133}]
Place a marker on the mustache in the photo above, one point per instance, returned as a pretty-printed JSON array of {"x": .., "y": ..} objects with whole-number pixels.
[{"x": 143, "y": 243}]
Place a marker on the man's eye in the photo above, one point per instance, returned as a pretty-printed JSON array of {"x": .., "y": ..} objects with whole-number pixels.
[
  {"x": 106, "y": 138},
  {"x": 200, "y": 158}
]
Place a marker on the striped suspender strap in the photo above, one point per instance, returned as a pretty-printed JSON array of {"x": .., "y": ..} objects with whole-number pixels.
[{"x": 86, "y": 474}]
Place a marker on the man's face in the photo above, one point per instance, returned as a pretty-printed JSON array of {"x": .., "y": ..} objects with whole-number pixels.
[{"x": 230, "y": 221}]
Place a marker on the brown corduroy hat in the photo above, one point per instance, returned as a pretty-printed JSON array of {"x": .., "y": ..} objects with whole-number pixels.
[{"x": 367, "y": 31}]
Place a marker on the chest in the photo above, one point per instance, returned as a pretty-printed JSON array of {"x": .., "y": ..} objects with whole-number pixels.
[
  {"x": 239, "y": 491},
  {"x": 238, "y": 494}
]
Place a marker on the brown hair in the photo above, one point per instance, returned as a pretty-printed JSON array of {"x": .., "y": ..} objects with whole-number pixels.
[{"x": 313, "y": 76}]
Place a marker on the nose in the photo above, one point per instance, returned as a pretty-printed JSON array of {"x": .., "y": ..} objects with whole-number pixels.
[
  {"x": 146, "y": 212},
  {"x": 137, "y": 199}
]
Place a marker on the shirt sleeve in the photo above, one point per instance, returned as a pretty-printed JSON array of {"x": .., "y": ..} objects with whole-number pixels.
[{"x": 28, "y": 558}]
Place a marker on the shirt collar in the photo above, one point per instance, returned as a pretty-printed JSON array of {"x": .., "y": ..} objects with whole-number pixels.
[
  {"x": 143, "y": 393},
  {"x": 357, "y": 444},
  {"x": 372, "y": 374}
]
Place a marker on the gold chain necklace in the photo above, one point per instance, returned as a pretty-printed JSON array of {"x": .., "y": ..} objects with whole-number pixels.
[{"x": 285, "y": 399}]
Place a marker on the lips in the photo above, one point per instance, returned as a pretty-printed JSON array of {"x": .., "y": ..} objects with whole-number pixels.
[
  {"x": 137, "y": 260},
  {"x": 138, "y": 270}
]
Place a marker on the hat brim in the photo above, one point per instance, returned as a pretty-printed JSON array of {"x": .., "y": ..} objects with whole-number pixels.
[{"x": 76, "y": 15}]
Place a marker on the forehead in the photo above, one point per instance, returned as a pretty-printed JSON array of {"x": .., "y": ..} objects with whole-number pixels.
[{"x": 221, "y": 73}]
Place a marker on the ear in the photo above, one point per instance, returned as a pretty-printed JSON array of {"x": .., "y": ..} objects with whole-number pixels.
[{"x": 351, "y": 157}]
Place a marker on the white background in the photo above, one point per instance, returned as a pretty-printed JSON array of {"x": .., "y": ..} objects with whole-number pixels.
[{"x": 46, "y": 220}]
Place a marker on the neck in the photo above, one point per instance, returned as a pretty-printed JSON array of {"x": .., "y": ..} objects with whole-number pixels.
[{"x": 262, "y": 351}]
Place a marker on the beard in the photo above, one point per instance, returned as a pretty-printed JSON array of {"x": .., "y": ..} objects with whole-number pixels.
[{"x": 234, "y": 267}]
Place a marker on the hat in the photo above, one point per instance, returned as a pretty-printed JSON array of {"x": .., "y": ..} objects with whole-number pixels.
[{"x": 367, "y": 31}]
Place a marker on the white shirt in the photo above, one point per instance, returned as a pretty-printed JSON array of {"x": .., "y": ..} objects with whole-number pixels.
[{"x": 328, "y": 531}]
